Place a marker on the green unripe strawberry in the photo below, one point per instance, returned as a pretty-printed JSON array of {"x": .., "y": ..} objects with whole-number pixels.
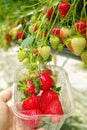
[
  {"x": 21, "y": 55},
  {"x": 60, "y": 47},
  {"x": 13, "y": 33},
  {"x": 20, "y": 41},
  {"x": 31, "y": 28},
  {"x": 84, "y": 57},
  {"x": 25, "y": 61},
  {"x": 78, "y": 44},
  {"x": 33, "y": 18},
  {"x": 54, "y": 41},
  {"x": 44, "y": 52}
]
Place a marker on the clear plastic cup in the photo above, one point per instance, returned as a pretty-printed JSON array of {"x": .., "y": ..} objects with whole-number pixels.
[{"x": 44, "y": 121}]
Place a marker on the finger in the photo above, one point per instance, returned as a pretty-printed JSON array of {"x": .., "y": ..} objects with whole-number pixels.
[{"x": 6, "y": 95}]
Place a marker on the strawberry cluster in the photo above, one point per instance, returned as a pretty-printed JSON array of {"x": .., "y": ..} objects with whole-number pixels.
[
  {"x": 14, "y": 35},
  {"x": 41, "y": 96},
  {"x": 53, "y": 30}
]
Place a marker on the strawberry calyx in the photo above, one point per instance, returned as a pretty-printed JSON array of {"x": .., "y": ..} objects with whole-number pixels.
[
  {"x": 57, "y": 89},
  {"x": 68, "y": 43}
]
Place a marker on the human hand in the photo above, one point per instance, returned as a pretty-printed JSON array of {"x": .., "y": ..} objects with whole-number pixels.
[{"x": 8, "y": 121}]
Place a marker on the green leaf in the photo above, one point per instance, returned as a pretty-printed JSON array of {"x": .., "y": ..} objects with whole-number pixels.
[
  {"x": 57, "y": 89},
  {"x": 28, "y": 41},
  {"x": 22, "y": 85},
  {"x": 37, "y": 84}
]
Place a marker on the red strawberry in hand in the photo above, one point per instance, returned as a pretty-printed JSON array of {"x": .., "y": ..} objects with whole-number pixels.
[
  {"x": 46, "y": 81},
  {"x": 63, "y": 8},
  {"x": 31, "y": 103},
  {"x": 46, "y": 98},
  {"x": 54, "y": 107},
  {"x": 81, "y": 26},
  {"x": 48, "y": 12},
  {"x": 32, "y": 122}
]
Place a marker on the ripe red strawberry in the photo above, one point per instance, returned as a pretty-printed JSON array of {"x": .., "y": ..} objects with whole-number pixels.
[
  {"x": 56, "y": 31},
  {"x": 48, "y": 11},
  {"x": 20, "y": 34},
  {"x": 31, "y": 88},
  {"x": 31, "y": 103},
  {"x": 46, "y": 98},
  {"x": 63, "y": 8},
  {"x": 47, "y": 71},
  {"x": 81, "y": 26},
  {"x": 46, "y": 81},
  {"x": 54, "y": 107},
  {"x": 33, "y": 121}
]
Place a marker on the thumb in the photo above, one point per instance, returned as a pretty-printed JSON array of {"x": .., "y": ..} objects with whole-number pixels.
[
  {"x": 4, "y": 109},
  {"x": 4, "y": 116}
]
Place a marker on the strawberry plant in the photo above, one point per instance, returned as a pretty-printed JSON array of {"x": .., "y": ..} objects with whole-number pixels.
[{"x": 54, "y": 26}]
